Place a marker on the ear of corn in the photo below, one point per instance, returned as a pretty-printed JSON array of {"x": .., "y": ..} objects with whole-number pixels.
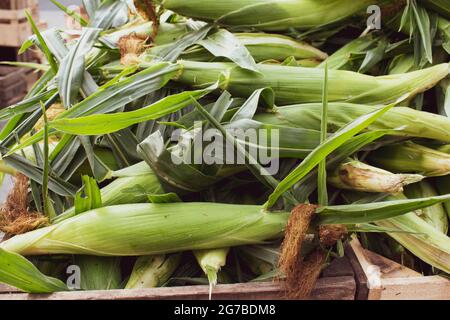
[
  {"x": 269, "y": 14},
  {"x": 156, "y": 229},
  {"x": 152, "y": 271},
  {"x": 299, "y": 85},
  {"x": 359, "y": 176},
  {"x": 434, "y": 215},
  {"x": 264, "y": 47},
  {"x": 413, "y": 158},
  {"x": 422, "y": 240},
  {"x": 403, "y": 121},
  {"x": 133, "y": 185},
  {"x": 211, "y": 261}
]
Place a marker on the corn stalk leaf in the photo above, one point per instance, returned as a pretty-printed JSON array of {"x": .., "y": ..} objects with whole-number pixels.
[
  {"x": 27, "y": 105},
  {"x": 110, "y": 13},
  {"x": 43, "y": 44},
  {"x": 91, "y": 6},
  {"x": 113, "y": 97},
  {"x": 322, "y": 176},
  {"x": 99, "y": 169},
  {"x": 372, "y": 212},
  {"x": 30, "y": 65},
  {"x": 32, "y": 171},
  {"x": 72, "y": 66},
  {"x": 224, "y": 44},
  {"x": 307, "y": 185},
  {"x": 172, "y": 52},
  {"x": 108, "y": 123},
  {"x": 18, "y": 272}
]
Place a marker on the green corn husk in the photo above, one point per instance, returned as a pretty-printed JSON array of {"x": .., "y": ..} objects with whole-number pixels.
[
  {"x": 270, "y": 14},
  {"x": 345, "y": 56},
  {"x": 133, "y": 185},
  {"x": 263, "y": 47},
  {"x": 423, "y": 240},
  {"x": 99, "y": 273},
  {"x": 411, "y": 157},
  {"x": 407, "y": 122},
  {"x": 402, "y": 63},
  {"x": 153, "y": 271},
  {"x": 302, "y": 85},
  {"x": 262, "y": 259},
  {"x": 356, "y": 175},
  {"x": 211, "y": 261},
  {"x": 434, "y": 215},
  {"x": 149, "y": 229}
]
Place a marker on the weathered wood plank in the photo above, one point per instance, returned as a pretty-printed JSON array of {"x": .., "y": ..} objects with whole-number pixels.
[
  {"x": 388, "y": 280},
  {"x": 336, "y": 288},
  {"x": 417, "y": 288}
]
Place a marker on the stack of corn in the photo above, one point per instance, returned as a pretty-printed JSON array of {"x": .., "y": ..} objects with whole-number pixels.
[{"x": 100, "y": 175}]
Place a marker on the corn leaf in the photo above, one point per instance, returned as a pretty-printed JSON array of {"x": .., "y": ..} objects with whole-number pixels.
[
  {"x": 91, "y": 6},
  {"x": 27, "y": 105},
  {"x": 18, "y": 272},
  {"x": 108, "y": 123},
  {"x": 322, "y": 176},
  {"x": 113, "y": 97},
  {"x": 331, "y": 144},
  {"x": 99, "y": 169},
  {"x": 110, "y": 13},
  {"x": 72, "y": 67},
  {"x": 172, "y": 52},
  {"x": 371, "y": 212},
  {"x": 43, "y": 44},
  {"x": 36, "y": 173},
  {"x": 225, "y": 44}
]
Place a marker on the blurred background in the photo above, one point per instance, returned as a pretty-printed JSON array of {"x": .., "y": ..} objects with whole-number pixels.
[
  {"x": 14, "y": 28},
  {"x": 51, "y": 14}
]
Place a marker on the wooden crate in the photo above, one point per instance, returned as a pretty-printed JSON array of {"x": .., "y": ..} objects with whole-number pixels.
[
  {"x": 14, "y": 27},
  {"x": 336, "y": 283},
  {"x": 379, "y": 278},
  {"x": 13, "y": 85},
  {"x": 17, "y": 4}
]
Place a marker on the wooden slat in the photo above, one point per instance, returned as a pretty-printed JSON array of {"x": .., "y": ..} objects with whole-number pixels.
[
  {"x": 362, "y": 291},
  {"x": 12, "y": 14},
  {"x": 413, "y": 288},
  {"x": 388, "y": 280},
  {"x": 13, "y": 35},
  {"x": 7, "y": 289},
  {"x": 19, "y": 14},
  {"x": 336, "y": 288}
]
